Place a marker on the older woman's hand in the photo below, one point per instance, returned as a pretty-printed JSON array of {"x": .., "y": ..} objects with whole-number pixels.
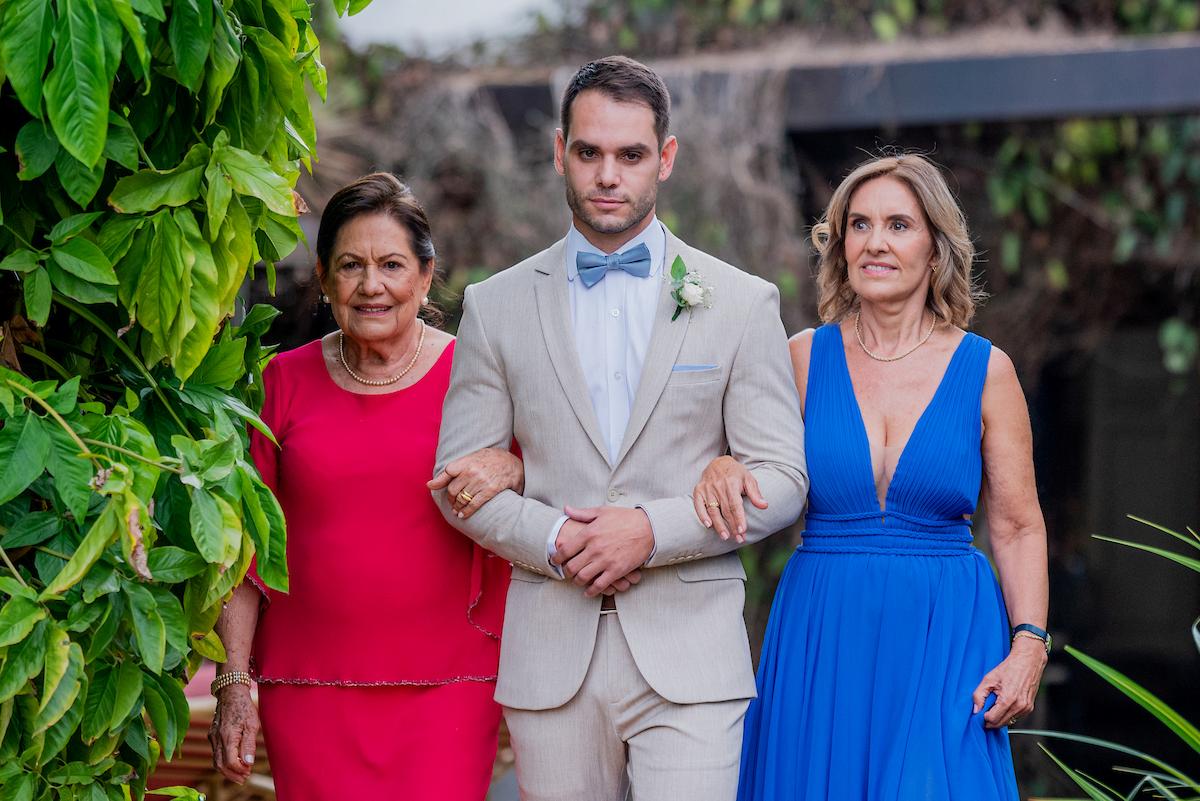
[
  {"x": 476, "y": 478},
  {"x": 718, "y": 497},
  {"x": 1015, "y": 683},
  {"x": 234, "y": 733}
]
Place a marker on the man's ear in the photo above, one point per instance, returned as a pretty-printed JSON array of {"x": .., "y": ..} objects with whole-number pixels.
[
  {"x": 560, "y": 151},
  {"x": 666, "y": 158}
]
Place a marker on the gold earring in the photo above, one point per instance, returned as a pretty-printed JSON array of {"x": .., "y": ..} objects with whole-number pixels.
[{"x": 324, "y": 298}]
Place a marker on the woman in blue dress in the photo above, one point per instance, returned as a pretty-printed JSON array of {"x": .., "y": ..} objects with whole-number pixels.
[{"x": 894, "y": 659}]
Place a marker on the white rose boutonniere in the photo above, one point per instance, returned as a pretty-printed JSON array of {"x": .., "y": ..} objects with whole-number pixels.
[{"x": 687, "y": 288}]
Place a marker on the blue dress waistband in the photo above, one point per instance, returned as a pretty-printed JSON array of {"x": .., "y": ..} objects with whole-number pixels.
[{"x": 890, "y": 532}]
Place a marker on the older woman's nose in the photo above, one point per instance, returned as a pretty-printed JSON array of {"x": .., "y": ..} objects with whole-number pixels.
[
  {"x": 372, "y": 282},
  {"x": 877, "y": 241}
]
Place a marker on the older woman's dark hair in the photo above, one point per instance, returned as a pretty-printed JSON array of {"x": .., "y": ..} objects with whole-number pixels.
[{"x": 377, "y": 193}]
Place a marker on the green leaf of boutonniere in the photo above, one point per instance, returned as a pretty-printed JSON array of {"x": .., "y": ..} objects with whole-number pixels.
[{"x": 678, "y": 269}]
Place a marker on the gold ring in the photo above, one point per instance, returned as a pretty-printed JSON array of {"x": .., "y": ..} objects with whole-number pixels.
[
  {"x": 464, "y": 497},
  {"x": 713, "y": 505},
  {"x": 1012, "y": 720}
]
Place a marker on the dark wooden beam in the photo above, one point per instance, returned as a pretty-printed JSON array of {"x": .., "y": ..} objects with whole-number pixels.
[{"x": 1123, "y": 79}]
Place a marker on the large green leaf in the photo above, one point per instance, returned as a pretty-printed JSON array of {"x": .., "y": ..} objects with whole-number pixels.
[
  {"x": 190, "y": 31},
  {"x": 99, "y": 536},
  {"x": 72, "y": 473},
  {"x": 148, "y": 190},
  {"x": 57, "y": 663},
  {"x": 207, "y": 526},
  {"x": 148, "y": 628},
  {"x": 78, "y": 288},
  {"x": 252, "y": 175},
  {"x": 24, "y": 661},
  {"x": 224, "y": 364},
  {"x": 127, "y": 693},
  {"x": 80, "y": 181},
  {"x": 53, "y": 709},
  {"x": 203, "y": 296},
  {"x": 26, "y": 35},
  {"x": 32, "y": 529},
  {"x": 17, "y": 618},
  {"x": 160, "y": 283},
  {"x": 173, "y": 565},
  {"x": 161, "y": 716},
  {"x": 20, "y": 261},
  {"x": 98, "y": 707},
  {"x": 122, "y": 144},
  {"x": 84, "y": 260},
  {"x": 36, "y": 149},
  {"x": 24, "y": 447},
  {"x": 70, "y": 227},
  {"x": 37, "y": 295},
  {"x": 224, "y": 57},
  {"x": 1144, "y": 698},
  {"x": 233, "y": 251},
  {"x": 76, "y": 90},
  {"x": 281, "y": 69},
  {"x": 137, "y": 33}
]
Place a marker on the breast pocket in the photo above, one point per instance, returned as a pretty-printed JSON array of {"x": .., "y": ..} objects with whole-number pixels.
[{"x": 691, "y": 376}]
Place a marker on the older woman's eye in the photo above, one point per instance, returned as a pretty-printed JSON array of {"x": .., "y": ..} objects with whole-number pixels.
[
  {"x": 350, "y": 265},
  {"x": 859, "y": 225},
  {"x": 392, "y": 265},
  {"x": 900, "y": 225}
]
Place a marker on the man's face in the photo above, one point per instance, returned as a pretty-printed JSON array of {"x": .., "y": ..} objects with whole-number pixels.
[{"x": 613, "y": 166}]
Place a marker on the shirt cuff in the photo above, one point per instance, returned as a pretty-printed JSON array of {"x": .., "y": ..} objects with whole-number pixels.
[
  {"x": 654, "y": 547},
  {"x": 552, "y": 546}
]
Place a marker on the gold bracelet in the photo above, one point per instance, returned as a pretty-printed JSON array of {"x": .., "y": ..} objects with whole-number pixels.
[
  {"x": 229, "y": 679},
  {"x": 1029, "y": 635}
]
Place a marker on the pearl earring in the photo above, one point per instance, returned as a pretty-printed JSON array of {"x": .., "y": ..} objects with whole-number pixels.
[
  {"x": 324, "y": 298},
  {"x": 425, "y": 302}
]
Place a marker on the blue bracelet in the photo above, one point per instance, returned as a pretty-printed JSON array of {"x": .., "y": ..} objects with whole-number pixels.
[{"x": 1041, "y": 634}]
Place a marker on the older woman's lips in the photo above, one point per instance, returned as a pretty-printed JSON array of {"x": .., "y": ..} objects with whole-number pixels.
[{"x": 372, "y": 309}]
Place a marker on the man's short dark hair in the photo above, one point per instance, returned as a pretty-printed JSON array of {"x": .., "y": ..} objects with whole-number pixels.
[{"x": 623, "y": 80}]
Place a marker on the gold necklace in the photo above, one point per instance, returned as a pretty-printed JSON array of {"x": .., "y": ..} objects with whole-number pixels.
[
  {"x": 382, "y": 382},
  {"x": 878, "y": 358}
]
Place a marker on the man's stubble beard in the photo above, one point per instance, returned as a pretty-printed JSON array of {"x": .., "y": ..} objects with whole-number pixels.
[{"x": 639, "y": 208}]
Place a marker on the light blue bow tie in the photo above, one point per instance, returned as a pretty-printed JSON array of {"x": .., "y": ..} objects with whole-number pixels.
[{"x": 593, "y": 266}]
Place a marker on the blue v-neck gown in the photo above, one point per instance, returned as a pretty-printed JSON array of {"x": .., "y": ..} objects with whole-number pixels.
[{"x": 885, "y": 620}]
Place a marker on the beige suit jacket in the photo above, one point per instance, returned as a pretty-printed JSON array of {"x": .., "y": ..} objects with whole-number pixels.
[{"x": 517, "y": 373}]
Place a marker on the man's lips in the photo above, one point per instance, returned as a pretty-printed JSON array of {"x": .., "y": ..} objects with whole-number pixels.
[{"x": 607, "y": 202}]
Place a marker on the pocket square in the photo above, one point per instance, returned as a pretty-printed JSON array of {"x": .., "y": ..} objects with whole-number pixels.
[{"x": 691, "y": 368}]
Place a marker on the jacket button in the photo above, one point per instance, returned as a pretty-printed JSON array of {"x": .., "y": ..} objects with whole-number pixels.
[{"x": 613, "y": 494}]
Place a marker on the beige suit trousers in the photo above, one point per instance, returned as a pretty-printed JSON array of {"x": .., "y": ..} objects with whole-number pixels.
[{"x": 617, "y": 739}]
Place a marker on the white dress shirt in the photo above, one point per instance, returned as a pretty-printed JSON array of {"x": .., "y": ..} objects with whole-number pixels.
[{"x": 612, "y": 322}]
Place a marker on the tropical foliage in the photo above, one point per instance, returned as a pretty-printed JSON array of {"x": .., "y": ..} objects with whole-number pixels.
[
  {"x": 148, "y": 150},
  {"x": 1155, "y": 778}
]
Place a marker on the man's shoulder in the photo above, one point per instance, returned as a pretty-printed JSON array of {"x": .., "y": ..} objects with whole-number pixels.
[
  {"x": 724, "y": 277},
  {"x": 514, "y": 279}
]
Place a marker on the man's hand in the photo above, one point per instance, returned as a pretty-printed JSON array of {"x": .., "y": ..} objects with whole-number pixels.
[{"x": 599, "y": 547}]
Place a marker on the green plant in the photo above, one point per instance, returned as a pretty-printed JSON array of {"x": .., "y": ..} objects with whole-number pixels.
[
  {"x": 148, "y": 150},
  {"x": 1159, "y": 780}
]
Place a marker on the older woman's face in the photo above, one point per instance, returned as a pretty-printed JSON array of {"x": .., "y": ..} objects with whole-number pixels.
[
  {"x": 374, "y": 283},
  {"x": 889, "y": 244}
]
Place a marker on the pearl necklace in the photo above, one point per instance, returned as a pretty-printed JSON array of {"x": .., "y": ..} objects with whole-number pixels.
[
  {"x": 382, "y": 382},
  {"x": 878, "y": 358}
]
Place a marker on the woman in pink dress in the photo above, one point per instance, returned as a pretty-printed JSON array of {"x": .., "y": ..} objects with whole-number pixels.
[{"x": 376, "y": 671}]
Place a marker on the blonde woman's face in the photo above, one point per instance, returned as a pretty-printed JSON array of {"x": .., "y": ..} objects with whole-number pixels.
[{"x": 889, "y": 244}]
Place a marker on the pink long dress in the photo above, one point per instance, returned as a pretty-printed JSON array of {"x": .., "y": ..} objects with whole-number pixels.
[{"x": 376, "y": 671}]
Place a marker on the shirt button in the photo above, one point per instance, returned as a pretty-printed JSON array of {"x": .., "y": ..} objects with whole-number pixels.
[
  {"x": 617, "y": 375},
  {"x": 613, "y": 494},
  {"x": 615, "y": 312}
]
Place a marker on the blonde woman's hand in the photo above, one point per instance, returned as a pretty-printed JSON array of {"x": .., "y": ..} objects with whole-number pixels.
[
  {"x": 476, "y": 478},
  {"x": 1015, "y": 683},
  {"x": 718, "y": 497}
]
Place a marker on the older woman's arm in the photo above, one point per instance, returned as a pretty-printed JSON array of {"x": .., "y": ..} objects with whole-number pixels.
[
  {"x": 1018, "y": 539},
  {"x": 235, "y": 723},
  {"x": 476, "y": 478}
]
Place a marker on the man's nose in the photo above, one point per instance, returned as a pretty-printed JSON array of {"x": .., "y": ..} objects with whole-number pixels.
[{"x": 608, "y": 174}]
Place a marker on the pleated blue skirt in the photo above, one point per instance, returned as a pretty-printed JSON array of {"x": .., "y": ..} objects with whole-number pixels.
[{"x": 876, "y": 641}]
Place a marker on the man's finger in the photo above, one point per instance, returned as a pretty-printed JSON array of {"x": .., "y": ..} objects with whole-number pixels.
[
  {"x": 754, "y": 493},
  {"x": 620, "y": 585},
  {"x": 633, "y": 577},
  {"x": 584, "y": 570},
  {"x": 602, "y": 582}
]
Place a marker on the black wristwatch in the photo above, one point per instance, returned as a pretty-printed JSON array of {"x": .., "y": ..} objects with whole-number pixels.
[{"x": 1040, "y": 634}]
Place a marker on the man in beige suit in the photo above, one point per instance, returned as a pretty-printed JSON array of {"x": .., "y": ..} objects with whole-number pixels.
[{"x": 624, "y": 660}]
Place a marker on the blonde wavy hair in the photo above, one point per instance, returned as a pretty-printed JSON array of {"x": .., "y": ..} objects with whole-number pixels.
[{"x": 953, "y": 293}]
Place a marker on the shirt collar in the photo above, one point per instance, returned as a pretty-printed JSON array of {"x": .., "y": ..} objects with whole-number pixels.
[{"x": 654, "y": 236}]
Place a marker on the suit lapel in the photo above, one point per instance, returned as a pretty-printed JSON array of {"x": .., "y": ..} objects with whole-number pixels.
[
  {"x": 554, "y": 311},
  {"x": 666, "y": 338}
]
